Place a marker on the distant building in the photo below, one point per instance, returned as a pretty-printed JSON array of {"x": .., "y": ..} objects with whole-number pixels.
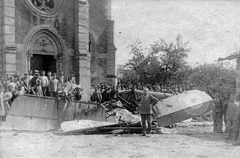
[{"x": 58, "y": 35}]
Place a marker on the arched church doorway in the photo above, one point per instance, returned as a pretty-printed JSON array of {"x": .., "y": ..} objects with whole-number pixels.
[
  {"x": 43, "y": 62},
  {"x": 45, "y": 51}
]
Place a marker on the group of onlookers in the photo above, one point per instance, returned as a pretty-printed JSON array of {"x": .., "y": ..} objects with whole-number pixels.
[
  {"x": 173, "y": 88},
  {"x": 38, "y": 83},
  {"x": 35, "y": 83},
  {"x": 229, "y": 112},
  {"x": 102, "y": 93}
]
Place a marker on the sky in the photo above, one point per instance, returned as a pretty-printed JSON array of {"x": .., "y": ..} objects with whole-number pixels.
[{"x": 211, "y": 27}]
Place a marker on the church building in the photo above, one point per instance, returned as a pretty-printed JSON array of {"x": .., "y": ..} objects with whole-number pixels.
[{"x": 58, "y": 35}]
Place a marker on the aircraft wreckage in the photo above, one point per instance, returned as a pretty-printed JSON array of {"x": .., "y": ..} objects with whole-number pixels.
[{"x": 34, "y": 113}]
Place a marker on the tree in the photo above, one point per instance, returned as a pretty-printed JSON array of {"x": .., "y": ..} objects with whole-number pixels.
[
  {"x": 214, "y": 79},
  {"x": 163, "y": 62},
  {"x": 172, "y": 57}
]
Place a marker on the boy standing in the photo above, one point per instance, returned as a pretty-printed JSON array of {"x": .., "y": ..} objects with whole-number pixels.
[
  {"x": 44, "y": 83},
  {"x": 53, "y": 86}
]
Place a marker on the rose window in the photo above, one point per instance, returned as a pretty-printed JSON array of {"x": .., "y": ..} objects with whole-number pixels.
[{"x": 46, "y": 8}]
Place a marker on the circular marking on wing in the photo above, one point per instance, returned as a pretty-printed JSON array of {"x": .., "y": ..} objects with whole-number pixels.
[
  {"x": 192, "y": 99},
  {"x": 195, "y": 104}
]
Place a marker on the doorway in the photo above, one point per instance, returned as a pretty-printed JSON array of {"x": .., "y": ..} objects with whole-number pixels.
[{"x": 43, "y": 62}]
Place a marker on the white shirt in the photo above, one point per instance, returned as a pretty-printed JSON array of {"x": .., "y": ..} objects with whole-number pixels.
[{"x": 44, "y": 81}]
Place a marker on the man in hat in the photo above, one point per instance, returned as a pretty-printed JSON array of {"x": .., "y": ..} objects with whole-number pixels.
[
  {"x": 33, "y": 81},
  {"x": 12, "y": 83},
  {"x": 145, "y": 109},
  {"x": 26, "y": 81}
]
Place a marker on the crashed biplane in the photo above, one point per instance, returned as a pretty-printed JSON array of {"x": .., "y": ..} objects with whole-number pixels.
[{"x": 36, "y": 113}]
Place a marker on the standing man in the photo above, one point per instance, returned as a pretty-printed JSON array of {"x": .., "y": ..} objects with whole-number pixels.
[
  {"x": 238, "y": 121},
  {"x": 145, "y": 109},
  {"x": 33, "y": 81},
  {"x": 12, "y": 83},
  {"x": 232, "y": 117},
  {"x": 217, "y": 115},
  {"x": 105, "y": 94},
  {"x": 26, "y": 82},
  {"x": 53, "y": 86},
  {"x": 96, "y": 95}
]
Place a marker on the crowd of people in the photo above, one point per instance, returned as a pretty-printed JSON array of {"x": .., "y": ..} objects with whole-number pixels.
[
  {"x": 164, "y": 88},
  {"x": 36, "y": 83},
  {"x": 103, "y": 93}
]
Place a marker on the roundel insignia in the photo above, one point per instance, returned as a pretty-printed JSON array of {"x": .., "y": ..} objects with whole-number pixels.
[
  {"x": 192, "y": 100},
  {"x": 194, "y": 104}
]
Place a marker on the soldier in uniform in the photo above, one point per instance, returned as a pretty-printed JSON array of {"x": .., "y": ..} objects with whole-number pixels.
[
  {"x": 145, "y": 109},
  {"x": 232, "y": 117},
  {"x": 237, "y": 121},
  {"x": 217, "y": 115}
]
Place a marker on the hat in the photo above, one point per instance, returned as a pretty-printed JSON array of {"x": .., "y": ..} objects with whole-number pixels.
[{"x": 36, "y": 72}]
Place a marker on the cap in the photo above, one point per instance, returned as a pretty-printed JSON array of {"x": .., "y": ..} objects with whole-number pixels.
[{"x": 36, "y": 71}]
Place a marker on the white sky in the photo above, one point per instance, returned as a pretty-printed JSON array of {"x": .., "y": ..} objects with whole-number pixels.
[{"x": 212, "y": 27}]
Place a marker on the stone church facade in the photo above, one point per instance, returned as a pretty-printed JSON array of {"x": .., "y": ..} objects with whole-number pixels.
[{"x": 58, "y": 35}]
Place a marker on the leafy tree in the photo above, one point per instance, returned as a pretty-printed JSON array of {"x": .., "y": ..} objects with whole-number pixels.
[
  {"x": 164, "y": 62},
  {"x": 172, "y": 57},
  {"x": 215, "y": 79}
]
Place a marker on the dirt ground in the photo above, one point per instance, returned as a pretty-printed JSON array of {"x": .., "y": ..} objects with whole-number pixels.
[{"x": 187, "y": 140}]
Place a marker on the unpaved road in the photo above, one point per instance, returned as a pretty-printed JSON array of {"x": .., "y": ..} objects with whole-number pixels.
[{"x": 190, "y": 140}]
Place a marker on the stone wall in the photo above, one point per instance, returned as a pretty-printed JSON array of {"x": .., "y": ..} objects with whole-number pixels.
[
  {"x": 82, "y": 56},
  {"x": 101, "y": 30},
  {"x": 7, "y": 38},
  {"x": 1, "y": 39}
]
